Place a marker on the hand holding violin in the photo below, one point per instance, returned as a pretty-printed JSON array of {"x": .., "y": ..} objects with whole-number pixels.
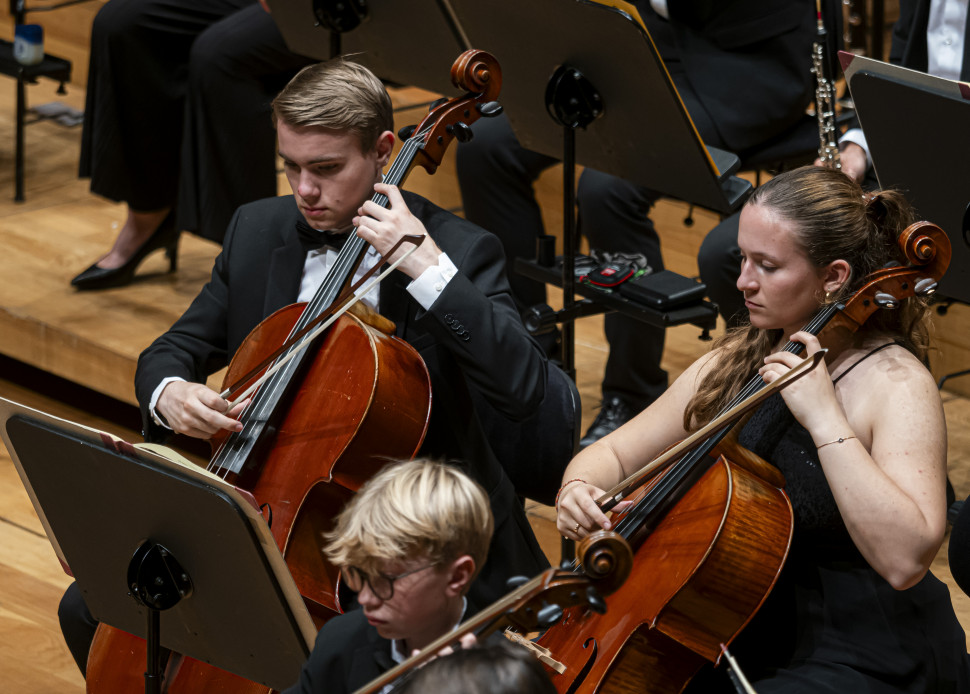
[
  {"x": 195, "y": 410},
  {"x": 382, "y": 227}
]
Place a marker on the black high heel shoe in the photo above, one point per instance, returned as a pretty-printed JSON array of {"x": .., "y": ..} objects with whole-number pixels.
[{"x": 165, "y": 236}]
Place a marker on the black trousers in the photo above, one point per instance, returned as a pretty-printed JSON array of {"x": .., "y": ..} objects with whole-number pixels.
[
  {"x": 77, "y": 625},
  {"x": 177, "y": 108},
  {"x": 496, "y": 175}
]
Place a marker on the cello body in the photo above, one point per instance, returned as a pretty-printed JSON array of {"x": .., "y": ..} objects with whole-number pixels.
[
  {"x": 697, "y": 580},
  {"x": 370, "y": 404},
  {"x": 364, "y": 400}
]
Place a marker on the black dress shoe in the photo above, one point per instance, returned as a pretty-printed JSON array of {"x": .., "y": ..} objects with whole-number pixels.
[
  {"x": 165, "y": 236},
  {"x": 613, "y": 414}
]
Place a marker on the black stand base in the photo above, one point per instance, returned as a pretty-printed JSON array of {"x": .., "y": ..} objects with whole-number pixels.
[{"x": 157, "y": 581}]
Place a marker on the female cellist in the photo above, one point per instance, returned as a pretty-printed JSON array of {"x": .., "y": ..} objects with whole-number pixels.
[{"x": 862, "y": 446}]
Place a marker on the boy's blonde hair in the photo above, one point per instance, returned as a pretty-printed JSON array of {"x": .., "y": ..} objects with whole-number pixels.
[
  {"x": 337, "y": 95},
  {"x": 415, "y": 509}
]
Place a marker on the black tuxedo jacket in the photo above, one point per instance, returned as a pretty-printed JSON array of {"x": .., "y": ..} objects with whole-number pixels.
[
  {"x": 348, "y": 654},
  {"x": 909, "y": 38},
  {"x": 471, "y": 338}
]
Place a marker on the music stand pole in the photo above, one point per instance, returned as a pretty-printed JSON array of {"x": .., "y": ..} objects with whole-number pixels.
[
  {"x": 158, "y": 582},
  {"x": 573, "y": 102}
]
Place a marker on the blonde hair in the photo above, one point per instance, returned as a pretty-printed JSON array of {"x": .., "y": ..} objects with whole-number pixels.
[
  {"x": 832, "y": 220},
  {"x": 412, "y": 509},
  {"x": 337, "y": 95}
]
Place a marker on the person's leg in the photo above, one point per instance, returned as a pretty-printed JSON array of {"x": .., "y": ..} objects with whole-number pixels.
[
  {"x": 133, "y": 119},
  {"x": 496, "y": 174},
  {"x": 236, "y": 67},
  {"x": 136, "y": 83},
  {"x": 614, "y": 217},
  {"x": 77, "y": 625},
  {"x": 719, "y": 262}
]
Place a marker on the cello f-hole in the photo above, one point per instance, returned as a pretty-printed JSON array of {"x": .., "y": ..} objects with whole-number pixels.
[{"x": 587, "y": 666}]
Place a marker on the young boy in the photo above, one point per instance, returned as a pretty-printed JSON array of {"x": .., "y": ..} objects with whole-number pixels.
[{"x": 409, "y": 543}]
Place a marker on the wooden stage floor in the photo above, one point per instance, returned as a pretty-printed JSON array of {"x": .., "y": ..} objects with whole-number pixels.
[{"x": 93, "y": 339}]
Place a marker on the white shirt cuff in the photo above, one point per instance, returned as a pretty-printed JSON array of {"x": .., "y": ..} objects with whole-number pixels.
[
  {"x": 426, "y": 288},
  {"x": 858, "y": 137},
  {"x": 154, "y": 401}
]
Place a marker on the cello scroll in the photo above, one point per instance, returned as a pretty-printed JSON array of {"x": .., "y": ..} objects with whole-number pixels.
[{"x": 479, "y": 74}]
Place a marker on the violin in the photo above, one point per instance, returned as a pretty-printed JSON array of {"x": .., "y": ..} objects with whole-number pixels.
[
  {"x": 710, "y": 534},
  {"x": 328, "y": 417}
]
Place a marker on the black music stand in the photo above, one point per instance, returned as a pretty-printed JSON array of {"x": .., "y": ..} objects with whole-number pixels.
[
  {"x": 412, "y": 42},
  {"x": 162, "y": 549},
  {"x": 918, "y": 130},
  {"x": 558, "y": 57}
]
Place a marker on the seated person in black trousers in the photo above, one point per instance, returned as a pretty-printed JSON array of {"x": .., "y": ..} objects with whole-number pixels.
[
  {"x": 742, "y": 70},
  {"x": 450, "y": 299},
  {"x": 410, "y": 544},
  {"x": 926, "y": 37},
  {"x": 177, "y": 122}
]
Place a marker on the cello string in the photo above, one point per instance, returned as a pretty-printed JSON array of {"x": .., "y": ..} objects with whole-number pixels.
[
  {"x": 265, "y": 398},
  {"x": 691, "y": 462}
]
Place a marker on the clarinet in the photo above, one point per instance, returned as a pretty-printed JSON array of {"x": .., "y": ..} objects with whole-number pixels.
[{"x": 828, "y": 148}]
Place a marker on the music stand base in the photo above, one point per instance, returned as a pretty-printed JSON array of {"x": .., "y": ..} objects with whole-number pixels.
[{"x": 157, "y": 581}]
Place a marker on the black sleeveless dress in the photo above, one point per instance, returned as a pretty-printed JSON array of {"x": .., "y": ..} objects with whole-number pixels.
[{"x": 832, "y": 624}]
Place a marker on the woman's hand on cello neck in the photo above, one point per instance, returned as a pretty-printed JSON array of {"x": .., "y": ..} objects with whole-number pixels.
[
  {"x": 577, "y": 512},
  {"x": 615, "y": 457}
]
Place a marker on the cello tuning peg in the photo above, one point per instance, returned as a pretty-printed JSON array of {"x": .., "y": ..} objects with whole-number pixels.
[
  {"x": 516, "y": 582},
  {"x": 884, "y": 300},
  {"x": 436, "y": 103},
  {"x": 406, "y": 132},
  {"x": 595, "y": 600},
  {"x": 925, "y": 286},
  {"x": 548, "y": 615},
  {"x": 490, "y": 109},
  {"x": 462, "y": 131}
]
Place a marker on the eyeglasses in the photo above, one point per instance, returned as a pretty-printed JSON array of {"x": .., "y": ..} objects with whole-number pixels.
[{"x": 381, "y": 584}]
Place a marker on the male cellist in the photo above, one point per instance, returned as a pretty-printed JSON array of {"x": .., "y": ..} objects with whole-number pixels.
[{"x": 450, "y": 300}]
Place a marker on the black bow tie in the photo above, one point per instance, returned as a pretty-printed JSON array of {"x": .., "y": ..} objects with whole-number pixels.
[{"x": 313, "y": 239}]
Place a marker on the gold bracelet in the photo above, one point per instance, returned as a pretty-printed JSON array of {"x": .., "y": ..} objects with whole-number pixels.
[{"x": 841, "y": 439}]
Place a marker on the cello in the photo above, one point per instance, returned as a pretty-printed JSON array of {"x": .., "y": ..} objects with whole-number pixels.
[
  {"x": 322, "y": 424},
  {"x": 712, "y": 533}
]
